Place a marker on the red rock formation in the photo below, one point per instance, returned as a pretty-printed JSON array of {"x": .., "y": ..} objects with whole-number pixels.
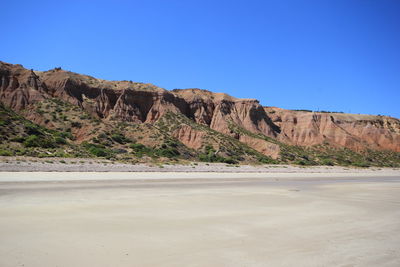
[
  {"x": 353, "y": 131},
  {"x": 189, "y": 137},
  {"x": 262, "y": 146},
  {"x": 217, "y": 110},
  {"x": 19, "y": 87},
  {"x": 138, "y": 103}
]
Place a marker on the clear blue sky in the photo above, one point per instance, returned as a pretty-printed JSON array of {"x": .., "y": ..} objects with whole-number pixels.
[{"x": 340, "y": 55}]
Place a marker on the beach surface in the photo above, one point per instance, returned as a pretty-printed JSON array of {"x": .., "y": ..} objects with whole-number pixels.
[
  {"x": 200, "y": 219},
  {"x": 31, "y": 164}
]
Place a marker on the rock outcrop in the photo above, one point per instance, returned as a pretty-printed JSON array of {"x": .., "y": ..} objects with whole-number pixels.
[
  {"x": 190, "y": 137},
  {"x": 217, "y": 110},
  {"x": 354, "y": 131},
  {"x": 19, "y": 87},
  {"x": 139, "y": 103},
  {"x": 262, "y": 146}
]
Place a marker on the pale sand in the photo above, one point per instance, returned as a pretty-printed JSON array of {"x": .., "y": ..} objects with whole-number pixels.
[{"x": 199, "y": 219}]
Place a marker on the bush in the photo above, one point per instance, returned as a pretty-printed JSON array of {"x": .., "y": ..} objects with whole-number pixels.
[
  {"x": 119, "y": 151},
  {"x": 32, "y": 129},
  {"x": 60, "y": 140},
  {"x": 97, "y": 150},
  {"x": 65, "y": 135},
  {"x": 203, "y": 157},
  {"x": 102, "y": 136},
  {"x": 266, "y": 160},
  {"x": 119, "y": 138},
  {"x": 76, "y": 124},
  {"x": 5, "y": 152},
  {"x": 361, "y": 164},
  {"x": 168, "y": 152},
  {"x": 304, "y": 162},
  {"x": 18, "y": 139},
  {"x": 327, "y": 162},
  {"x": 60, "y": 154},
  {"x": 168, "y": 149},
  {"x": 36, "y": 141},
  {"x": 212, "y": 157},
  {"x": 171, "y": 143},
  {"x": 31, "y": 141},
  {"x": 138, "y": 147},
  {"x": 230, "y": 161}
]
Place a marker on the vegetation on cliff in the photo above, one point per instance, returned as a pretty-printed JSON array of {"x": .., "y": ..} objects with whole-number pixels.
[
  {"x": 21, "y": 137},
  {"x": 59, "y": 113}
]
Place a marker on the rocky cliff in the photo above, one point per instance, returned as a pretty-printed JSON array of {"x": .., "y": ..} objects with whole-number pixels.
[
  {"x": 245, "y": 120},
  {"x": 354, "y": 131}
]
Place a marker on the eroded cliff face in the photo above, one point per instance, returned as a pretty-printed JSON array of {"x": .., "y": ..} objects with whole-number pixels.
[
  {"x": 267, "y": 148},
  {"x": 190, "y": 137},
  {"x": 218, "y": 110},
  {"x": 20, "y": 87},
  {"x": 131, "y": 102},
  {"x": 357, "y": 132},
  {"x": 140, "y": 103}
]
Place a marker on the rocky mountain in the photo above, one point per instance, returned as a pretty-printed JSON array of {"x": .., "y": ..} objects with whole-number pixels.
[{"x": 137, "y": 121}]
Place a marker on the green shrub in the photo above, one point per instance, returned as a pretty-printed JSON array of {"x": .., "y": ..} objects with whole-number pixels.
[
  {"x": 230, "y": 161},
  {"x": 76, "y": 124},
  {"x": 171, "y": 143},
  {"x": 167, "y": 152},
  {"x": 361, "y": 164},
  {"x": 18, "y": 139},
  {"x": 137, "y": 147},
  {"x": 266, "y": 160},
  {"x": 102, "y": 136},
  {"x": 203, "y": 157},
  {"x": 327, "y": 162},
  {"x": 60, "y": 140},
  {"x": 67, "y": 134},
  {"x": 60, "y": 154},
  {"x": 32, "y": 141},
  {"x": 32, "y": 129},
  {"x": 305, "y": 162},
  {"x": 119, "y": 138},
  {"x": 64, "y": 117},
  {"x": 98, "y": 152},
  {"x": 212, "y": 157},
  {"x": 4, "y": 152},
  {"x": 36, "y": 141}
]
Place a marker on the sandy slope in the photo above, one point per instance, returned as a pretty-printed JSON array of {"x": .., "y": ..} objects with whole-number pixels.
[{"x": 247, "y": 220}]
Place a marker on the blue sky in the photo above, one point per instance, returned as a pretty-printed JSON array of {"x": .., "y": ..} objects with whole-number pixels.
[{"x": 339, "y": 55}]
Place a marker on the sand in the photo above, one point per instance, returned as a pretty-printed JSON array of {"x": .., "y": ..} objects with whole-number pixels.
[{"x": 200, "y": 219}]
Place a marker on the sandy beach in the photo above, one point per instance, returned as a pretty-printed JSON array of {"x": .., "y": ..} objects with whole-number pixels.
[
  {"x": 32, "y": 164},
  {"x": 200, "y": 219}
]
